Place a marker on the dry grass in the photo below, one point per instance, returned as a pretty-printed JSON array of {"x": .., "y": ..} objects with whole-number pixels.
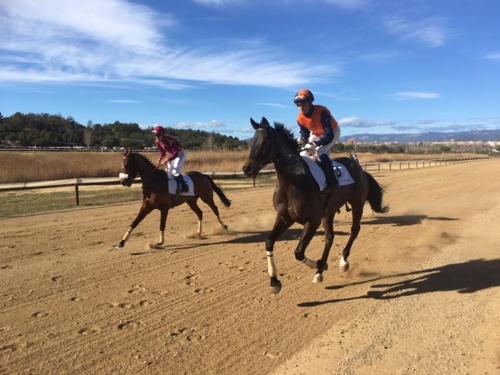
[{"x": 41, "y": 166}]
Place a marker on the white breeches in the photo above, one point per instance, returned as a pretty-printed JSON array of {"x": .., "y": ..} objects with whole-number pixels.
[{"x": 174, "y": 167}]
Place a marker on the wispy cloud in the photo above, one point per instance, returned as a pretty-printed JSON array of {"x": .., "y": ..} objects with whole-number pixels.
[
  {"x": 218, "y": 2},
  {"x": 276, "y": 105},
  {"x": 119, "y": 41},
  {"x": 493, "y": 56},
  {"x": 348, "y": 4},
  {"x": 356, "y": 122},
  {"x": 124, "y": 101},
  {"x": 379, "y": 57},
  {"x": 345, "y": 4},
  {"x": 405, "y": 95},
  {"x": 213, "y": 124},
  {"x": 430, "y": 32}
]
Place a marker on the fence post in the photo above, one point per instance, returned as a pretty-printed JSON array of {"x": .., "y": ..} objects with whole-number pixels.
[
  {"x": 400, "y": 167},
  {"x": 77, "y": 193},
  {"x": 379, "y": 167}
]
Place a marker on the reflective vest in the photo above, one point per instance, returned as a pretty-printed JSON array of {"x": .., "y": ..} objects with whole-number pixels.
[{"x": 313, "y": 123}]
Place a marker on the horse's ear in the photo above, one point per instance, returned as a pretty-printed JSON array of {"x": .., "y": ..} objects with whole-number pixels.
[
  {"x": 264, "y": 123},
  {"x": 254, "y": 123}
]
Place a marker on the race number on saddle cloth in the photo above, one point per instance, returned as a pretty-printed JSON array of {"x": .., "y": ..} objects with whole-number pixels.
[
  {"x": 173, "y": 186},
  {"x": 344, "y": 178}
]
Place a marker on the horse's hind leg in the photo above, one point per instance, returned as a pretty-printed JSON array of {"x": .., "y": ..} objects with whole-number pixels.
[
  {"x": 327, "y": 222},
  {"x": 143, "y": 212},
  {"x": 357, "y": 213},
  {"x": 210, "y": 202},
  {"x": 199, "y": 213}
]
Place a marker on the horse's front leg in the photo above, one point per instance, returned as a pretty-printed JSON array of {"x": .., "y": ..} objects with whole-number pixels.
[
  {"x": 322, "y": 264},
  {"x": 281, "y": 224},
  {"x": 163, "y": 224},
  {"x": 307, "y": 235},
  {"x": 143, "y": 212}
]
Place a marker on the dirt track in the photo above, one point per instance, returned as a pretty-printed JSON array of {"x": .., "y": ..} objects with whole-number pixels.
[{"x": 422, "y": 297}]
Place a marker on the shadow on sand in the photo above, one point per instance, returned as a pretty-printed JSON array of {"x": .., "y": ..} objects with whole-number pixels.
[
  {"x": 403, "y": 220},
  {"x": 251, "y": 237},
  {"x": 467, "y": 277}
]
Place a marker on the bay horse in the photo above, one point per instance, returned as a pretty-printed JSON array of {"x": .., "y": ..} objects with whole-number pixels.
[
  {"x": 297, "y": 198},
  {"x": 155, "y": 194}
]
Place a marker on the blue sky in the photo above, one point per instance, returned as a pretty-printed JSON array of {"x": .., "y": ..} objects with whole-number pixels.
[{"x": 381, "y": 66}]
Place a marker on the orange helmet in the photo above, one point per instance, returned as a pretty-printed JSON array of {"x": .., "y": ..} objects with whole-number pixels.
[{"x": 303, "y": 96}]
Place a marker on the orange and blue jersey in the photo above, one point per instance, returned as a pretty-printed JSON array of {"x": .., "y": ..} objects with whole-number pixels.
[{"x": 320, "y": 122}]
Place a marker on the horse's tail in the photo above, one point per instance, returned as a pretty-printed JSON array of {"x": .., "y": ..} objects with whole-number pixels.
[
  {"x": 375, "y": 195},
  {"x": 219, "y": 192}
]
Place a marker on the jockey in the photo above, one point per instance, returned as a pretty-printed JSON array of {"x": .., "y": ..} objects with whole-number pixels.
[
  {"x": 319, "y": 128},
  {"x": 168, "y": 144}
]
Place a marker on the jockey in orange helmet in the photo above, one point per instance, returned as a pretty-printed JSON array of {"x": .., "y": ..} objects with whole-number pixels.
[
  {"x": 318, "y": 127},
  {"x": 168, "y": 144}
]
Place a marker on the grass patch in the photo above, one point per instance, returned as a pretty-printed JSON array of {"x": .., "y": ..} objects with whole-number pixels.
[
  {"x": 26, "y": 203},
  {"x": 19, "y": 203}
]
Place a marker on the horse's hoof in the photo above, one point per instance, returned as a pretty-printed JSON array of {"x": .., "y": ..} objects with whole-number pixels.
[
  {"x": 344, "y": 265},
  {"x": 275, "y": 286},
  {"x": 120, "y": 245},
  {"x": 318, "y": 278},
  {"x": 154, "y": 246},
  {"x": 225, "y": 227}
]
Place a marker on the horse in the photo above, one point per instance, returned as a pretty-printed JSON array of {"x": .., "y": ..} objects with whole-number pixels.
[
  {"x": 297, "y": 198},
  {"x": 155, "y": 193}
]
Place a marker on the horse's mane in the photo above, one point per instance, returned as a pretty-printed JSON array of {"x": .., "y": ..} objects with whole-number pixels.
[
  {"x": 146, "y": 159},
  {"x": 287, "y": 135}
]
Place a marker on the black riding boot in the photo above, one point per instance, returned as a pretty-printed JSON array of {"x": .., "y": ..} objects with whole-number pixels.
[
  {"x": 181, "y": 183},
  {"x": 327, "y": 167}
]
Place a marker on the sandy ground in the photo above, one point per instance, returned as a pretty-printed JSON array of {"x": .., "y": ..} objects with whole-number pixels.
[{"x": 422, "y": 296}]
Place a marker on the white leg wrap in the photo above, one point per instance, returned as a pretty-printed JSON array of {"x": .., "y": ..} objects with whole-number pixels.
[
  {"x": 200, "y": 227},
  {"x": 162, "y": 236},
  {"x": 310, "y": 263},
  {"x": 271, "y": 266},
  {"x": 127, "y": 234},
  {"x": 343, "y": 264}
]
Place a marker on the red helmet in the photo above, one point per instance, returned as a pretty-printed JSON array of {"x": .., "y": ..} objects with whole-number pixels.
[
  {"x": 303, "y": 96},
  {"x": 158, "y": 130}
]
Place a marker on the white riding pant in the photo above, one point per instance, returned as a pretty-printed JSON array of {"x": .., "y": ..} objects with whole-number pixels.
[
  {"x": 324, "y": 149},
  {"x": 174, "y": 166}
]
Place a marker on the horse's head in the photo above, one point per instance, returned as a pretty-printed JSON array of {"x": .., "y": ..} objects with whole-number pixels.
[
  {"x": 262, "y": 151},
  {"x": 129, "y": 169}
]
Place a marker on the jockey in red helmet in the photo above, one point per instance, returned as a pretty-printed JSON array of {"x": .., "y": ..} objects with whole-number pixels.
[
  {"x": 175, "y": 162},
  {"x": 319, "y": 128}
]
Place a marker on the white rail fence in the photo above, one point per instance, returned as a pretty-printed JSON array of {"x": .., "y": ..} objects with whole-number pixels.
[{"x": 76, "y": 183}]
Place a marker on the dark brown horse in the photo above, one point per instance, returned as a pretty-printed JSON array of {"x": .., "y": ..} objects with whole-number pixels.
[
  {"x": 155, "y": 193},
  {"x": 297, "y": 198}
]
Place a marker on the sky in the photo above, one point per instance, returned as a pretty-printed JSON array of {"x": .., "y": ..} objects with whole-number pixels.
[{"x": 380, "y": 66}]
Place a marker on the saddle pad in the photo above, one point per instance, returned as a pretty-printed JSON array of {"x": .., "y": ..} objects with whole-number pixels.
[
  {"x": 343, "y": 176},
  {"x": 172, "y": 186}
]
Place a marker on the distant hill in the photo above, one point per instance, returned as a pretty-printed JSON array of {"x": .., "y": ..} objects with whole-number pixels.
[
  {"x": 464, "y": 136},
  {"x": 45, "y": 130}
]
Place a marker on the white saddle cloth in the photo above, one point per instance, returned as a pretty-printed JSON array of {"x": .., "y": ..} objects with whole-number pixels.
[
  {"x": 173, "y": 187},
  {"x": 343, "y": 176}
]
